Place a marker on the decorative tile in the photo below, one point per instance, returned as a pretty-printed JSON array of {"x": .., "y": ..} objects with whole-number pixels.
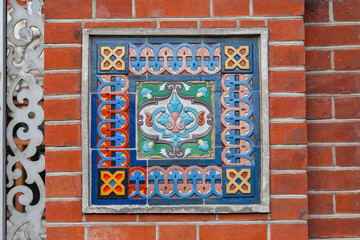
[
  {"x": 238, "y": 181},
  {"x": 192, "y": 58},
  {"x": 175, "y": 120},
  {"x": 180, "y": 127},
  {"x": 112, "y": 58},
  {"x": 113, "y": 183},
  {"x": 237, "y": 58}
]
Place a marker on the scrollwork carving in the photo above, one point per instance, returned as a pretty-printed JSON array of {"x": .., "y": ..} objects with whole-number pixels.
[{"x": 23, "y": 62}]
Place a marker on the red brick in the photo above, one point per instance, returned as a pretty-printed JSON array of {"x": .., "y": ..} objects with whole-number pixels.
[
  {"x": 334, "y": 132},
  {"x": 178, "y": 24},
  {"x": 289, "y": 231},
  {"x": 62, "y": 135},
  {"x": 347, "y": 203},
  {"x": 65, "y": 233},
  {"x": 283, "y": 159},
  {"x": 175, "y": 217},
  {"x": 111, "y": 218},
  {"x": 346, "y": 10},
  {"x": 287, "y": 107},
  {"x": 316, "y": 11},
  {"x": 288, "y": 209},
  {"x": 222, "y": 24},
  {"x": 332, "y": 35},
  {"x": 149, "y": 24},
  {"x": 347, "y": 156},
  {"x": 288, "y": 133},
  {"x": 63, "y": 161},
  {"x": 278, "y": 7},
  {"x": 113, "y": 9},
  {"x": 183, "y": 232},
  {"x": 335, "y": 227},
  {"x": 294, "y": 30},
  {"x": 121, "y": 232},
  {"x": 63, "y": 186},
  {"x": 288, "y": 183},
  {"x": 63, "y": 211},
  {"x": 333, "y": 180},
  {"x": 230, "y": 232},
  {"x": 242, "y": 216},
  {"x": 62, "y": 109},
  {"x": 282, "y": 56},
  {"x": 21, "y": 3},
  {"x": 224, "y": 8},
  {"x": 333, "y": 83},
  {"x": 62, "y": 33},
  {"x": 252, "y": 23},
  {"x": 60, "y": 83},
  {"x": 62, "y": 58},
  {"x": 318, "y": 108},
  {"x": 320, "y": 204},
  {"x": 320, "y": 156},
  {"x": 347, "y": 59},
  {"x": 347, "y": 107},
  {"x": 317, "y": 60},
  {"x": 284, "y": 81},
  {"x": 68, "y": 9},
  {"x": 171, "y": 8}
]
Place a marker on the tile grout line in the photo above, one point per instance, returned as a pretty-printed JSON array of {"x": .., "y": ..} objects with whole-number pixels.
[
  {"x": 333, "y": 107},
  {"x": 199, "y": 223},
  {"x": 211, "y": 8},
  {"x": 251, "y": 8},
  {"x": 114, "y": 20},
  {"x": 331, "y": 11},
  {"x": 334, "y": 23},
  {"x": 197, "y": 232},
  {"x": 93, "y": 13},
  {"x": 157, "y": 232},
  {"x": 333, "y": 156},
  {"x": 133, "y": 9}
]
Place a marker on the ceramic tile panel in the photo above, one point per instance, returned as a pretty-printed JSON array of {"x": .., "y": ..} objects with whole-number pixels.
[{"x": 174, "y": 121}]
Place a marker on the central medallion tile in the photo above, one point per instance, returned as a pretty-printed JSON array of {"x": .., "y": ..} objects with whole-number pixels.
[{"x": 175, "y": 120}]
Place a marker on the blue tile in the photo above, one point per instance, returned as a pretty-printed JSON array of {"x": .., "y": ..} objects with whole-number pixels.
[{"x": 253, "y": 137}]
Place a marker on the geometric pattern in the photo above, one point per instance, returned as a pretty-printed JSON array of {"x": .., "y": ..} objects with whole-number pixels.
[
  {"x": 112, "y": 183},
  {"x": 238, "y": 181},
  {"x": 113, "y": 58},
  {"x": 232, "y": 175},
  {"x": 236, "y": 57},
  {"x": 175, "y": 122}
]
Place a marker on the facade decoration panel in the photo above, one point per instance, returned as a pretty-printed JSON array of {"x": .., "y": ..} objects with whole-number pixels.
[{"x": 174, "y": 122}]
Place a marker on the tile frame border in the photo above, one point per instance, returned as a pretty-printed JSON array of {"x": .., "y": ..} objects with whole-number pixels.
[{"x": 263, "y": 206}]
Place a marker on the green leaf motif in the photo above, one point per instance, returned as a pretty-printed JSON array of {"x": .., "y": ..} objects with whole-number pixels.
[
  {"x": 175, "y": 105},
  {"x": 163, "y": 119},
  {"x": 186, "y": 118}
]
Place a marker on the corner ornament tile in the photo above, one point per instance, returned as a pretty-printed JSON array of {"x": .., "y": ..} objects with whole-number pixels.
[
  {"x": 113, "y": 58},
  {"x": 236, "y": 57}
]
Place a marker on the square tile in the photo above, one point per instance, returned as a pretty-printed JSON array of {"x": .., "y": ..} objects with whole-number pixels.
[{"x": 174, "y": 121}]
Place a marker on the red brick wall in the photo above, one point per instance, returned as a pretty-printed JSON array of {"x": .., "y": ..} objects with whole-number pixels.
[
  {"x": 65, "y": 20},
  {"x": 332, "y": 39}
]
